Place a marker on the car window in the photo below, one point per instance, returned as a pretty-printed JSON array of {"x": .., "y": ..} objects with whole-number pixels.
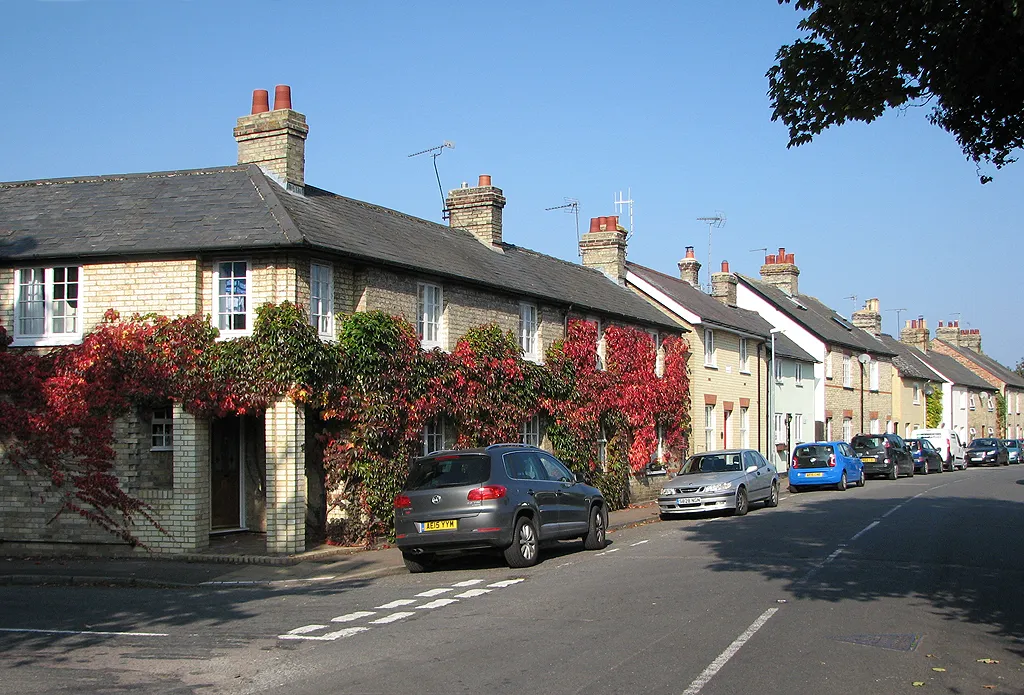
[
  {"x": 555, "y": 470},
  {"x": 847, "y": 451},
  {"x": 524, "y": 465},
  {"x": 713, "y": 463},
  {"x": 925, "y": 444},
  {"x": 814, "y": 451},
  {"x": 750, "y": 460},
  {"x": 863, "y": 443},
  {"x": 897, "y": 440},
  {"x": 1009, "y": 442},
  {"x": 448, "y": 471},
  {"x": 914, "y": 444}
]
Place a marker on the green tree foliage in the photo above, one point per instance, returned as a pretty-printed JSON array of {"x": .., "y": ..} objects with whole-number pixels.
[
  {"x": 1020, "y": 366},
  {"x": 933, "y": 407},
  {"x": 859, "y": 58}
]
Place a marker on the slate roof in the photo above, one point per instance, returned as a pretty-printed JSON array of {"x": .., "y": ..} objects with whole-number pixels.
[
  {"x": 908, "y": 360},
  {"x": 716, "y": 313},
  {"x": 238, "y": 207},
  {"x": 1005, "y": 373},
  {"x": 819, "y": 319},
  {"x": 951, "y": 369}
]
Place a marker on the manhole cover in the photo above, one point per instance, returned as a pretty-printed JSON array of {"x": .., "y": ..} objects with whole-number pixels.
[{"x": 899, "y": 643}]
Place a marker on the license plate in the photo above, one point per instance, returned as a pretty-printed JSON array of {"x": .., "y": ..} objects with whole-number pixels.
[
  {"x": 815, "y": 475},
  {"x": 443, "y": 525},
  {"x": 688, "y": 500},
  {"x": 868, "y": 459}
]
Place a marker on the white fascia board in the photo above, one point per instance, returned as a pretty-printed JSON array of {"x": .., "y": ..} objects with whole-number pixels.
[
  {"x": 812, "y": 344},
  {"x": 663, "y": 299}
]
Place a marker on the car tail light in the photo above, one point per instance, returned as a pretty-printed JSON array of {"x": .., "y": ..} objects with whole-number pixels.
[
  {"x": 794, "y": 463},
  {"x": 487, "y": 492},
  {"x": 831, "y": 460},
  {"x": 887, "y": 443},
  {"x": 402, "y": 502}
]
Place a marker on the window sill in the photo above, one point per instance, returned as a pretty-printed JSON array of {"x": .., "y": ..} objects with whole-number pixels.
[
  {"x": 230, "y": 335},
  {"x": 710, "y": 366},
  {"x": 747, "y": 372},
  {"x": 162, "y": 448},
  {"x": 46, "y": 341}
]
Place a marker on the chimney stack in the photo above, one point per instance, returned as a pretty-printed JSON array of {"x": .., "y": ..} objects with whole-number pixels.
[
  {"x": 869, "y": 318},
  {"x": 689, "y": 268},
  {"x": 915, "y": 334},
  {"x": 970, "y": 338},
  {"x": 477, "y": 210},
  {"x": 275, "y": 140},
  {"x": 949, "y": 333},
  {"x": 723, "y": 286},
  {"x": 781, "y": 271},
  {"x": 604, "y": 247}
]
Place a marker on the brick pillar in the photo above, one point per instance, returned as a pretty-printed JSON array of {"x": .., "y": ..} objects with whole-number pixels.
[
  {"x": 286, "y": 479},
  {"x": 189, "y": 521}
]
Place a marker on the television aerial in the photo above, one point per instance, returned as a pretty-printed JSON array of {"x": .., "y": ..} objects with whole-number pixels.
[
  {"x": 572, "y": 206},
  {"x": 716, "y": 221},
  {"x": 436, "y": 152}
]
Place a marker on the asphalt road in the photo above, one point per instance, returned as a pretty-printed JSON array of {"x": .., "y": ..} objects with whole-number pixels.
[{"x": 871, "y": 590}]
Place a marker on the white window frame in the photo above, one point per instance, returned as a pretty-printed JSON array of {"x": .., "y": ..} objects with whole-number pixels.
[
  {"x": 744, "y": 427},
  {"x": 847, "y": 429},
  {"x": 529, "y": 432},
  {"x": 710, "y": 443},
  {"x": 874, "y": 426},
  {"x": 659, "y": 358},
  {"x": 50, "y": 306},
  {"x": 162, "y": 429},
  {"x": 602, "y": 449},
  {"x": 873, "y": 376},
  {"x": 321, "y": 298},
  {"x": 430, "y": 315},
  {"x": 971, "y": 402},
  {"x": 797, "y": 428},
  {"x": 828, "y": 429},
  {"x": 847, "y": 372},
  {"x": 778, "y": 369},
  {"x": 828, "y": 364},
  {"x": 529, "y": 333},
  {"x": 710, "y": 356},
  {"x": 917, "y": 393},
  {"x": 780, "y": 428},
  {"x": 799, "y": 373},
  {"x": 432, "y": 435},
  {"x": 247, "y": 297},
  {"x": 744, "y": 358}
]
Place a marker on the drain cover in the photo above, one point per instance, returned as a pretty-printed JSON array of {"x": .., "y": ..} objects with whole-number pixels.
[{"x": 899, "y": 643}]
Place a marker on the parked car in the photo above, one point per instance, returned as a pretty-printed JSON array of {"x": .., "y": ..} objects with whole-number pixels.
[
  {"x": 948, "y": 443},
  {"x": 884, "y": 454},
  {"x": 985, "y": 451},
  {"x": 505, "y": 496},
  {"x": 824, "y": 463},
  {"x": 927, "y": 458},
  {"x": 1013, "y": 449},
  {"x": 727, "y": 481}
]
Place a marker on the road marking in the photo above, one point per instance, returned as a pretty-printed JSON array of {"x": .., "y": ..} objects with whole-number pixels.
[
  {"x": 306, "y": 628},
  {"x": 349, "y": 617},
  {"x": 613, "y": 550},
  {"x": 505, "y": 582},
  {"x": 438, "y": 603},
  {"x": 469, "y": 582},
  {"x": 398, "y": 603},
  {"x": 329, "y": 637},
  {"x": 84, "y": 632},
  {"x": 723, "y": 658},
  {"x": 893, "y": 509},
  {"x": 472, "y": 593},
  {"x": 433, "y": 592},
  {"x": 400, "y": 615},
  {"x": 864, "y": 530},
  {"x": 633, "y": 545},
  {"x": 833, "y": 556}
]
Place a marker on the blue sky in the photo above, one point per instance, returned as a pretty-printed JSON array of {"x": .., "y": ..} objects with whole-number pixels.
[{"x": 553, "y": 100}]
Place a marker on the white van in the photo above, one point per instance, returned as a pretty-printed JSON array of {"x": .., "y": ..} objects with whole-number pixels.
[{"x": 947, "y": 442}]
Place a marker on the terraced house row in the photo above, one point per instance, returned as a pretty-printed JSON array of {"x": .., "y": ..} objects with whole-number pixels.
[{"x": 769, "y": 367}]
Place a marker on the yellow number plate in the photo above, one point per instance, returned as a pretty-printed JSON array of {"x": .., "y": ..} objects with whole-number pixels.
[
  {"x": 443, "y": 525},
  {"x": 868, "y": 459},
  {"x": 815, "y": 475}
]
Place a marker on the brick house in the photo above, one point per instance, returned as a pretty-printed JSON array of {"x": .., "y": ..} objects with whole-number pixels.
[
  {"x": 222, "y": 242},
  {"x": 853, "y": 368},
  {"x": 730, "y": 361},
  {"x": 912, "y": 381}
]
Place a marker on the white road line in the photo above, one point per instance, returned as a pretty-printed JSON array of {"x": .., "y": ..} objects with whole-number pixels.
[
  {"x": 349, "y": 617},
  {"x": 398, "y": 603},
  {"x": 505, "y": 582},
  {"x": 613, "y": 550},
  {"x": 434, "y": 592},
  {"x": 864, "y": 530},
  {"x": 633, "y": 545},
  {"x": 730, "y": 651},
  {"x": 84, "y": 632},
  {"x": 438, "y": 603},
  {"x": 893, "y": 510},
  {"x": 473, "y": 593},
  {"x": 400, "y": 615},
  {"x": 306, "y": 628},
  {"x": 329, "y": 637},
  {"x": 833, "y": 556},
  {"x": 468, "y": 582}
]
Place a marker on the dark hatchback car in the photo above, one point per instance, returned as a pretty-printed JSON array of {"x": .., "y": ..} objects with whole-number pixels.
[
  {"x": 987, "y": 451},
  {"x": 927, "y": 458},
  {"x": 508, "y": 497},
  {"x": 884, "y": 455}
]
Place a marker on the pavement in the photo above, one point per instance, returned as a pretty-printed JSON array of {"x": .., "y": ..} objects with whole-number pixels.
[{"x": 231, "y": 562}]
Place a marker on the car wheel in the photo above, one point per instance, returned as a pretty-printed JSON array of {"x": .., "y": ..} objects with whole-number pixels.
[
  {"x": 911, "y": 473},
  {"x": 773, "y": 496},
  {"x": 422, "y": 562},
  {"x": 742, "y": 502},
  {"x": 524, "y": 549},
  {"x": 924, "y": 467},
  {"x": 863, "y": 479},
  {"x": 841, "y": 485},
  {"x": 894, "y": 472},
  {"x": 595, "y": 538},
  {"x": 795, "y": 489}
]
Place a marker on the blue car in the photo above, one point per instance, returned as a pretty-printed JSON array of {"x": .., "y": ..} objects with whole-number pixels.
[{"x": 824, "y": 463}]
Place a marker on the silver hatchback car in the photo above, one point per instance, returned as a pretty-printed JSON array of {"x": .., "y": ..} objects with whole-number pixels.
[
  {"x": 727, "y": 481},
  {"x": 505, "y": 496}
]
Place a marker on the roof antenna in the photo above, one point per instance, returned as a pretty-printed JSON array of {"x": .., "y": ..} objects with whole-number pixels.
[
  {"x": 572, "y": 205},
  {"x": 716, "y": 220},
  {"x": 435, "y": 152},
  {"x": 898, "y": 312},
  {"x": 628, "y": 200},
  {"x": 854, "y": 298}
]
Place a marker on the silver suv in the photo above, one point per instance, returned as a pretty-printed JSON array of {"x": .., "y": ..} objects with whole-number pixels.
[{"x": 505, "y": 496}]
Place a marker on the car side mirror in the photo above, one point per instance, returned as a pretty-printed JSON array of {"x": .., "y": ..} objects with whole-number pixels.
[
  {"x": 751, "y": 469},
  {"x": 577, "y": 478}
]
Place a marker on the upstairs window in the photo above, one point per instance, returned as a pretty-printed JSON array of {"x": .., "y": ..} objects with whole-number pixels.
[
  {"x": 799, "y": 373},
  {"x": 428, "y": 315},
  {"x": 48, "y": 307},
  {"x": 828, "y": 364},
  {"x": 873, "y": 375},
  {"x": 971, "y": 402},
  {"x": 709, "y": 348},
  {"x": 321, "y": 298},
  {"x": 231, "y": 288},
  {"x": 528, "y": 331},
  {"x": 917, "y": 394},
  {"x": 744, "y": 357},
  {"x": 847, "y": 372}
]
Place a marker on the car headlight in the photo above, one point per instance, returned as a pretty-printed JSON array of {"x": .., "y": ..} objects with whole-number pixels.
[
  {"x": 718, "y": 487},
  {"x": 668, "y": 491}
]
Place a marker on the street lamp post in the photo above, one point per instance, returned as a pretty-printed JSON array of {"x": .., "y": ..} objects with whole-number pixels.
[
  {"x": 771, "y": 395},
  {"x": 864, "y": 358}
]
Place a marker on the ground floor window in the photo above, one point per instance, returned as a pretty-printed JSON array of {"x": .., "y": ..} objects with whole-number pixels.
[
  {"x": 433, "y": 436},
  {"x": 847, "y": 429},
  {"x": 709, "y": 427},
  {"x": 745, "y": 428},
  {"x": 162, "y": 428},
  {"x": 530, "y": 431},
  {"x": 828, "y": 429},
  {"x": 780, "y": 428},
  {"x": 874, "y": 426}
]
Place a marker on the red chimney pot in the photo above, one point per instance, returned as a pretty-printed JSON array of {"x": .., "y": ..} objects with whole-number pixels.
[
  {"x": 782, "y": 254},
  {"x": 260, "y": 101},
  {"x": 282, "y": 97},
  {"x": 595, "y": 224},
  {"x": 940, "y": 324},
  {"x": 725, "y": 266},
  {"x": 613, "y": 223},
  {"x": 689, "y": 252},
  {"x": 485, "y": 180},
  {"x": 790, "y": 258},
  {"x": 769, "y": 260}
]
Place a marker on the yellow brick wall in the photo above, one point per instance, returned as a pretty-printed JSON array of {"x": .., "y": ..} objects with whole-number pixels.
[{"x": 904, "y": 412}]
